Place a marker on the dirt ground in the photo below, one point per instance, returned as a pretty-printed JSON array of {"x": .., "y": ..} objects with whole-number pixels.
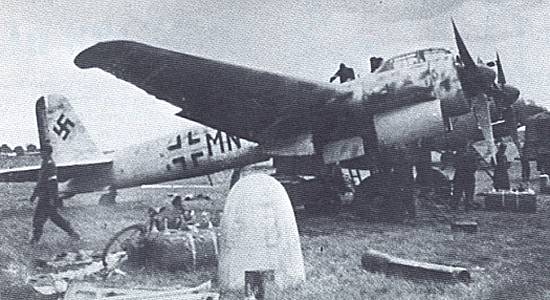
[{"x": 509, "y": 257}]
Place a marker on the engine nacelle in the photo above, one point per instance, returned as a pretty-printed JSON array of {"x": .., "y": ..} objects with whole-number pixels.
[{"x": 409, "y": 124}]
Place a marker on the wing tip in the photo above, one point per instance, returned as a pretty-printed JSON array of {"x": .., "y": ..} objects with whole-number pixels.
[{"x": 92, "y": 56}]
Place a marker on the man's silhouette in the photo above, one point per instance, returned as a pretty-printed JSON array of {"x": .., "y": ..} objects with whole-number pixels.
[
  {"x": 501, "y": 180},
  {"x": 47, "y": 192},
  {"x": 464, "y": 182},
  {"x": 345, "y": 74}
]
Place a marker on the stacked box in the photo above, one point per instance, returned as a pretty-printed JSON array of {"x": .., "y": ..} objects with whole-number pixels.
[
  {"x": 544, "y": 183},
  {"x": 511, "y": 201}
]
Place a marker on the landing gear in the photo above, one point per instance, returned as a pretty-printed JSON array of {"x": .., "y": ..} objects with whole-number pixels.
[
  {"x": 324, "y": 200},
  {"x": 382, "y": 197},
  {"x": 434, "y": 187},
  {"x": 109, "y": 198},
  {"x": 315, "y": 194}
]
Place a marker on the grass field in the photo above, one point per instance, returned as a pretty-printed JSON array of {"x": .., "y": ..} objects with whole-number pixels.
[{"x": 509, "y": 257}]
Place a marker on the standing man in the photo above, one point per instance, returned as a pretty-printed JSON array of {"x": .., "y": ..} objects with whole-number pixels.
[
  {"x": 404, "y": 179},
  {"x": 464, "y": 182},
  {"x": 346, "y": 74},
  {"x": 47, "y": 192},
  {"x": 525, "y": 166},
  {"x": 501, "y": 180}
]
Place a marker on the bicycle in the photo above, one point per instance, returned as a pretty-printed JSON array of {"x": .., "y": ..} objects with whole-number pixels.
[{"x": 133, "y": 237}]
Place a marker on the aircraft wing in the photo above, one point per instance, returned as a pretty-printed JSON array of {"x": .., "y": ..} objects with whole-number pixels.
[
  {"x": 65, "y": 171},
  {"x": 242, "y": 101}
]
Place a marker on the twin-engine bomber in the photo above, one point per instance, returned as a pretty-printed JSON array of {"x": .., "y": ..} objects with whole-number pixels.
[{"x": 411, "y": 104}]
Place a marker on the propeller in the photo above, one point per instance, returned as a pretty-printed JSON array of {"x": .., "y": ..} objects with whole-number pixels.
[
  {"x": 504, "y": 100},
  {"x": 477, "y": 82},
  {"x": 504, "y": 94}
]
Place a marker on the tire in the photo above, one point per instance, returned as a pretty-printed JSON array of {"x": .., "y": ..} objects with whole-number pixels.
[
  {"x": 380, "y": 198},
  {"x": 323, "y": 207},
  {"x": 119, "y": 239},
  {"x": 321, "y": 199},
  {"x": 313, "y": 194},
  {"x": 434, "y": 187}
]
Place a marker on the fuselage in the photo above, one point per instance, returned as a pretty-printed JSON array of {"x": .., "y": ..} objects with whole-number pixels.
[{"x": 187, "y": 153}]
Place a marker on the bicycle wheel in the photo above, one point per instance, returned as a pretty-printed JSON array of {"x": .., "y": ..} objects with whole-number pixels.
[{"x": 122, "y": 240}]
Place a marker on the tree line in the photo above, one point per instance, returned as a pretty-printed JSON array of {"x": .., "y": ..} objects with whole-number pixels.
[{"x": 18, "y": 150}]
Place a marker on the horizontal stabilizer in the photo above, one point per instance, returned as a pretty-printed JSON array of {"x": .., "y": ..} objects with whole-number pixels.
[{"x": 65, "y": 171}]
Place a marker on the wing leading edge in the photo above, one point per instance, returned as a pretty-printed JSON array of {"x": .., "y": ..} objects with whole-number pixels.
[{"x": 252, "y": 104}]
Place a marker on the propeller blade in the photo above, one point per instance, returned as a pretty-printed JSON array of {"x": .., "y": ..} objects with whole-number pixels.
[
  {"x": 465, "y": 56},
  {"x": 500, "y": 72},
  {"x": 473, "y": 78},
  {"x": 483, "y": 116}
]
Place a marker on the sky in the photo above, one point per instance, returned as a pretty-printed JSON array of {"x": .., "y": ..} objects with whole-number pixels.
[{"x": 308, "y": 39}]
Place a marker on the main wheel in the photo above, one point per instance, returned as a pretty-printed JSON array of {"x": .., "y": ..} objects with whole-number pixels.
[
  {"x": 380, "y": 198},
  {"x": 124, "y": 240},
  {"x": 314, "y": 194},
  {"x": 321, "y": 198},
  {"x": 434, "y": 187}
]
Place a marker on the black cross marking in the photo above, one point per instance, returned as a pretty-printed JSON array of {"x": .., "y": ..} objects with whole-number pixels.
[
  {"x": 177, "y": 145},
  {"x": 62, "y": 127},
  {"x": 195, "y": 158},
  {"x": 180, "y": 160},
  {"x": 191, "y": 140}
]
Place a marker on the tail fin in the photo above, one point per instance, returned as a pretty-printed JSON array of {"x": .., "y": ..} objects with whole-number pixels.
[{"x": 59, "y": 123}]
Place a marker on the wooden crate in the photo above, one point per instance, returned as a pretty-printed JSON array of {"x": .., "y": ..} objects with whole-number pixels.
[{"x": 511, "y": 201}]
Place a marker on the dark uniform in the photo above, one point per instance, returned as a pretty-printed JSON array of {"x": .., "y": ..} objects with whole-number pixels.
[
  {"x": 464, "y": 182},
  {"x": 47, "y": 192},
  {"x": 345, "y": 74},
  {"x": 525, "y": 166},
  {"x": 501, "y": 180}
]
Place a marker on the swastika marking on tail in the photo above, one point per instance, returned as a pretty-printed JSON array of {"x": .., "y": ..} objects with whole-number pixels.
[{"x": 63, "y": 126}]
